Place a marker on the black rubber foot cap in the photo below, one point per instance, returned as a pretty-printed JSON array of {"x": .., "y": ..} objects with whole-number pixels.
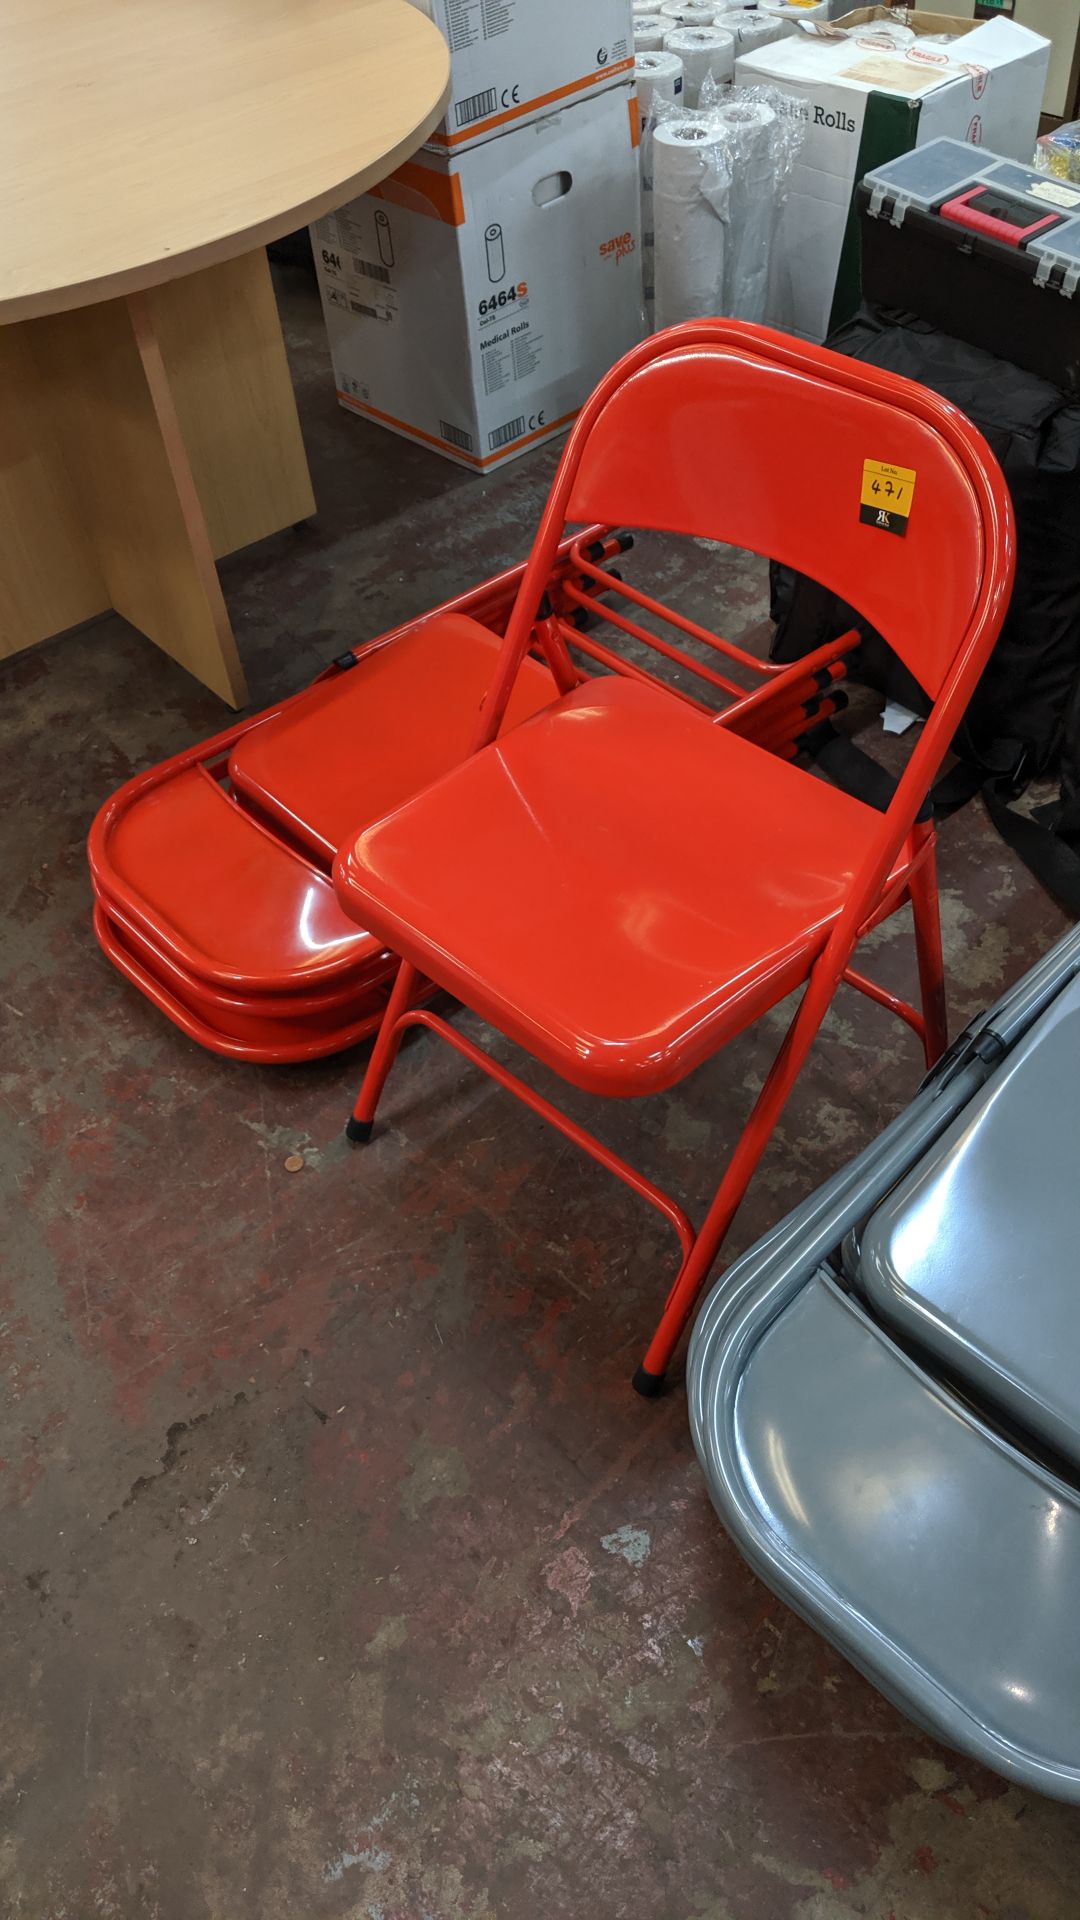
[
  {"x": 359, "y": 1131},
  {"x": 649, "y": 1385}
]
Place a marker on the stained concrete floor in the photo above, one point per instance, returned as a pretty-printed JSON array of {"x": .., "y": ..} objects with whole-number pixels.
[{"x": 343, "y": 1574}]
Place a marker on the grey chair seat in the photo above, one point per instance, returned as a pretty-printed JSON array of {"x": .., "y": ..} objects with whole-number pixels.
[
  {"x": 940, "y": 1556},
  {"x": 975, "y": 1256},
  {"x": 943, "y": 1562}
]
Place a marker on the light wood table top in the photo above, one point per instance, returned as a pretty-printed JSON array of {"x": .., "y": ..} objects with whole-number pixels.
[{"x": 144, "y": 139}]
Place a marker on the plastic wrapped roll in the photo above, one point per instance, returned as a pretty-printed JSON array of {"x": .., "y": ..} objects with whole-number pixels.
[
  {"x": 648, "y": 7},
  {"x": 689, "y": 13},
  {"x": 649, "y": 31},
  {"x": 891, "y": 33},
  {"x": 751, "y": 27},
  {"x": 702, "y": 50},
  {"x": 750, "y": 127},
  {"x": 659, "y": 76},
  {"x": 691, "y": 188}
]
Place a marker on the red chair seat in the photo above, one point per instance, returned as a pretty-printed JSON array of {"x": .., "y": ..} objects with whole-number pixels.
[
  {"x": 364, "y": 741},
  {"x": 222, "y": 899},
  {"x": 619, "y": 885}
]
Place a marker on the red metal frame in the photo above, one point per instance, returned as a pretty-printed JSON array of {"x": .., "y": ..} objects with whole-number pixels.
[
  {"x": 647, "y": 1189},
  {"x": 767, "y": 697},
  {"x": 961, "y": 490}
]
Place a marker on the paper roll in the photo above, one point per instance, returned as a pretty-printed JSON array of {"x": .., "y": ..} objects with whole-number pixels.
[
  {"x": 659, "y": 76},
  {"x": 649, "y": 31},
  {"x": 751, "y": 128},
  {"x": 751, "y": 28},
  {"x": 702, "y": 50},
  {"x": 691, "y": 184},
  {"x": 689, "y": 13}
]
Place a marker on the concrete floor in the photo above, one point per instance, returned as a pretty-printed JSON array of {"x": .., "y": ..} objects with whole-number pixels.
[{"x": 343, "y": 1574}]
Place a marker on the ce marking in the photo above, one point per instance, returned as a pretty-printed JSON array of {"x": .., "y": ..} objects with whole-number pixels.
[
  {"x": 537, "y": 420},
  {"x": 510, "y": 97}
]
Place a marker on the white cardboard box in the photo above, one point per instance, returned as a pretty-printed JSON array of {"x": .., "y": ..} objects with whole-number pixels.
[
  {"x": 473, "y": 303},
  {"x": 1059, "y": 20},
  {"x": 865, "y": 104},
  {"x": 514, "y": 59}
]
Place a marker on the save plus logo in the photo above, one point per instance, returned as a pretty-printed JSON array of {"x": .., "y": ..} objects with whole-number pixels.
[
  {"x": 601, "y": 56},
  {"x": 618, "y": 246}
]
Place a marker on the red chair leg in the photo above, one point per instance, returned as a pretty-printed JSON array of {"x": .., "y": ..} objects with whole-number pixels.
[
  {"x": 923, "y": 888},
  {"x": 692, "y": 1275},
  {"x": 755, "y": 1137},
  {"x": 383, "y": 1055},
  {"x": 785, "y": 1070}
]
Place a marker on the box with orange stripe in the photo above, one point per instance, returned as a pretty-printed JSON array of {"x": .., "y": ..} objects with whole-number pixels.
[
  {"x": 513, "y": 60},
  {"x": 474, "y": 299}
]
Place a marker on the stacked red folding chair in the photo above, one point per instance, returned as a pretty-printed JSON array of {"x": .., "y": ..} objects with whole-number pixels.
[
  {"x": 602, "y": 846},
  {"x": 211, "y": 872}
]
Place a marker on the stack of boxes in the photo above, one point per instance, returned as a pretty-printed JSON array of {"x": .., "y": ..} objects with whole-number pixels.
[
  {"x": 864, "y": 100},
  {"x": 475, "y": 297}
]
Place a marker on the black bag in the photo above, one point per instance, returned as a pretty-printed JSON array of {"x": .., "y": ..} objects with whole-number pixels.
[{"x": 1024, "y": 718}]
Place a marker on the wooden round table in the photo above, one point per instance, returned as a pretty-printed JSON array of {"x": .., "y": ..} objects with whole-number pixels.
[{"x": 148, "y": 150}]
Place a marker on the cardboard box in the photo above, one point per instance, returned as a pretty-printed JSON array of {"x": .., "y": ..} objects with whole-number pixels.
[
  {"x": 1057, "y": 20},
  {"x": 863, "y": 105},
  {"x": 512, "y": 60},
  {"x": 473, "y": 302}
]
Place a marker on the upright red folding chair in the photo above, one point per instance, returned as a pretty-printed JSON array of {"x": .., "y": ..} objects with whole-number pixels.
[{"x": 623, "y": 883}]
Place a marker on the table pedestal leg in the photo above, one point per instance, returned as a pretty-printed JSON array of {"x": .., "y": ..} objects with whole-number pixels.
[{"x": 139, "y": 439}]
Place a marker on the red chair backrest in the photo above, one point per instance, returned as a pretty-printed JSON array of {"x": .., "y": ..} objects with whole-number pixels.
[
  {"x": 735, "y": 432},
  {"x": 709, "y": 440}
]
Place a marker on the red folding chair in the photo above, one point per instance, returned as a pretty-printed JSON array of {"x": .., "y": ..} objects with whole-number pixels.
[{"x": 623, "y": 883}]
